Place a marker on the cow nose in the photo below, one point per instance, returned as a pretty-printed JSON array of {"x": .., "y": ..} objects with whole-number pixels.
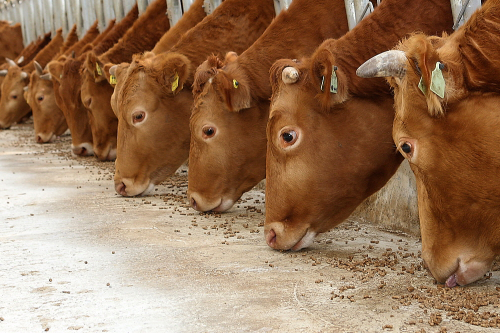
[
  {"x": 271, "y": 238},
  {"x": 121, "y": 189},
  {"x": 39, "y": 139},
  {"x": 79, "y": 150},
  {"x": 193, "y": 203}
]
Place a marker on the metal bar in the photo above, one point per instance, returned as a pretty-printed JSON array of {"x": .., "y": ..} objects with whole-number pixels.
[
  {"x": 118, "y": 6},
  {"x": 186, "y": 4},
  {"x": 174, "y": 11}
]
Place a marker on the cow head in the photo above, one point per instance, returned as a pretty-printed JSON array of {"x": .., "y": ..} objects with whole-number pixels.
[
  {"x": 48, "y": 119},
  {"x": 13, "y": 105},
  {"x": 152, "y": 107},
  {"x": 224, "y": 112},
  {"x": 96, "y": 95},
  {"x": 327, "y": 150},
  {"x": 447, "y": 125},
  {"x": 68, "y": 72}
]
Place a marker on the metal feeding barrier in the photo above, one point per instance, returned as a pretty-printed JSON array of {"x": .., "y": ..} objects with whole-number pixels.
[{"x": 38, "y": 17}]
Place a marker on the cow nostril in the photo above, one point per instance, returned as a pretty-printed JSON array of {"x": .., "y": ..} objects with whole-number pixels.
[
  {"x": 121, "y": 189},
  {"x": 39, "y": 139},
  {"x": 83, "y": 151},
  {"x": 271, "y": 238},
  {"x": 193, "y": 203}
]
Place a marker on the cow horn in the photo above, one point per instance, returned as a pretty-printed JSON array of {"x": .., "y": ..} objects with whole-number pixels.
[
  {"x": 47, "y": 77},
  {"x": 20, "y": 60},
  {"x": 39, "y": 69},
  {"x": 24, "y": 75},
  {"x": 11, "y": 62},
  {"x": 3, "y": 72},
  {"x": 289, "y": 75},
  {"x": 112, "y": 70},
  {"x": 389, "y": 63}
]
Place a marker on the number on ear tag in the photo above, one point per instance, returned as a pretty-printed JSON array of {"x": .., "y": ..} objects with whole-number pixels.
[{"x": 112, "y": 79}]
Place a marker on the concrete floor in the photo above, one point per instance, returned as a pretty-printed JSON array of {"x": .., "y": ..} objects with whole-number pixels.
[{"x": 77, "y": 257}]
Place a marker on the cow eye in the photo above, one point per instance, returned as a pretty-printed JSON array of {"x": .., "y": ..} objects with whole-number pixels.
[
  {"x": 288, "y": 138},
  {"x": 14, "y": 96},
  {"x": 208, "y": 131},
  {"x": 39, "y": 98},
  {"x": 138, "y": 116},
  {"x": 407, "y": 149}
]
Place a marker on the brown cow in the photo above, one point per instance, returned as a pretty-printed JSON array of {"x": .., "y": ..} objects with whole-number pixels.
[
  {"x": 152, "y": 107},
  {"x": 48, "y": 119},
  {"x": 13, "y": 106},
  {"x": 96, "y": 90},
  {"x": 26, "y": 56},
  {"x": 71, "y": 39},
  {"x": 222, "y": 162},
  {"x": 11, "y": 41},
  {"x": 459, "y": 105},
  {"x": 329, "y": 145}
]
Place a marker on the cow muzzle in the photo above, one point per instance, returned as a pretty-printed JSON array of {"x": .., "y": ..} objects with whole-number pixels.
[
  {"x": 464, "y": 270},
  {"x": 279, "y": 237},
  {"x": 45, "y": 137},
  {"x": 129, "y": 188},
  {"x": 83, "y": 149},
  {"x": 201, "y": 204}
]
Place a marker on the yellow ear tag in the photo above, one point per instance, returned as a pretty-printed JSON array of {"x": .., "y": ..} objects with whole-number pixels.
[
  {"x": 98, "y": 68},
  {"x": 175, "y": 84},
  {"x": 236, "y": 84},
  {"x": 112, "y": 79}
]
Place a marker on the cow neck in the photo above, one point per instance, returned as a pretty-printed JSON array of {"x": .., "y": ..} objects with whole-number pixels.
[
  {"x": 479, "y": 45},
  {"x": 142, "y": 36},
  {"x": 118, "y": 31},
  {"x": 48, "y": 52},
  {"x": 381, "y": 31},
  {"x": 293, "y": 35},
  {"x": 230, "y": 23},
  {"x": 194, "y": 15}
]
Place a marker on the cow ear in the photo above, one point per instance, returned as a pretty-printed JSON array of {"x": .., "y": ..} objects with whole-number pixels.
[
  {"x": 236, "y": 92},
  {"x": 110, "y": 76},
  {"x": 94, "y": 66},
  {"x": 424, "y": 60},
  {"x": 55, "y": 69},
  {"x": 330, "y": 81},
  {"x": 206, "y": 71},
  {"x": 175, "y": 70}
]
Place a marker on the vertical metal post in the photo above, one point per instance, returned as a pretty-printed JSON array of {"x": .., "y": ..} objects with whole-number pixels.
[
  {"x": 210, "y": 5},
  {"x": 88, "y": 15},
  {"x": 356, "y": 10},
  {"x": 462, "y": 10},
  {"x": 118, "y": 6},
  {"x": 186, "y": 4},
  {"x": 280, "y": 5},
  {"x": 174, "y": 11},
  {"x": 142, "y": 4}
]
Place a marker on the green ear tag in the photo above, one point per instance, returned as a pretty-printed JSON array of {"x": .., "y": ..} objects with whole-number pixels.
[
  {"x": 112, "y": 79},
  {"x": 421, "y": 86},
  {"x": 98, "y": 68},
  {"x": 437, "y": 81},
  {"x": 175, "y": 84},
  {"x": 334, "y": 81}
]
